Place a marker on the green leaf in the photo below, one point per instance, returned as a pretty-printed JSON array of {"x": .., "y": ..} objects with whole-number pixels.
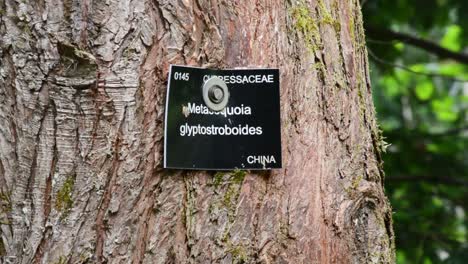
[
  {"x": 399, "y": 46},
  {"x": 424, "y": 90},
  {"x": 443, "y": 109},
  {"x": 418, "y": 67},
  {"x": 437, "y": 202},
  {"x": 452, "y": 69},
  {"x": 403, "y": 76},
  {"x": 390, "y": 85},
  {"x": 427, "y": 261},
  {"x": 451, "y": 40},
  {"x": 464, "y": 98},
  {"x": 434, "y": 148},
  {"x": 401, "y": 258}
]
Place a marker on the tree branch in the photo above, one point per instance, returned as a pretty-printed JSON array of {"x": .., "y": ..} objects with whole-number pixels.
[
  {"x": 451, "y": 132},
  {"x": 405, "y": 68},
  {"x": 432, "y": 179},
  {"x": 415, "y": 133},
  {"x": 441, "y": 52}
]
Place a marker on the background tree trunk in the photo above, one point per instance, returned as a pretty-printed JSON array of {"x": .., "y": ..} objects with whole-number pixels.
[{"x": 81, "y": 123}]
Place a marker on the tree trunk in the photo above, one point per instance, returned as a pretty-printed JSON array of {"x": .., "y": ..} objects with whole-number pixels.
[{"x": 82, "y": 100}]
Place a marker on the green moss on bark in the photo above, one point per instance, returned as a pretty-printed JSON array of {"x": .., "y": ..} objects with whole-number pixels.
[
  {"x": 305, "y": 24},
  {"x": 64, "y": 200},
  {"x": 61, "y": 260},
  {"x": 239, "y": 254}
]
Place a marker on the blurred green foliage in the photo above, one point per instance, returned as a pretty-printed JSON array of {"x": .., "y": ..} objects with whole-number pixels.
[{"x": 422, "y": 100}]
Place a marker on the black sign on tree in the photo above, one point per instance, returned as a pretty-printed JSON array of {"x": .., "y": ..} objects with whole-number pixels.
[{"x": 246, "y": 134}]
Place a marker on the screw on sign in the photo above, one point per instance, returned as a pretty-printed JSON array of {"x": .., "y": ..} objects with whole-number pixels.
[{"x": 215, "y": 94}]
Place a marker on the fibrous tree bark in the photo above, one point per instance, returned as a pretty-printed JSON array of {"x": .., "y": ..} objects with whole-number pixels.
[{"x": 82, "y": 92}]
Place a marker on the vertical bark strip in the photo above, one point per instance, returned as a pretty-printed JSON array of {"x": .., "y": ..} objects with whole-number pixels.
[{"x": 82, "y": 90}]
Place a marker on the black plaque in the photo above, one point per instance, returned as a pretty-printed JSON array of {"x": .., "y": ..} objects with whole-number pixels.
[{"x": 245, "y": 135}]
